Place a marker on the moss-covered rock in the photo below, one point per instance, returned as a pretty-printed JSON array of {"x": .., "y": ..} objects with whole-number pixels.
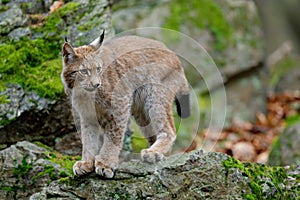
[
  {"x": 30, "y": 45},
  {"x": 38, "y": 172},
  {"x": 194, "y": 175},
  {"x": 268, "y": 182},
  {"x": 26, "y": 168}
]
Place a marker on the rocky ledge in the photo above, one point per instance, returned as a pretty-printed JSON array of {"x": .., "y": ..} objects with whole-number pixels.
[{"x": 36, "y": 172}]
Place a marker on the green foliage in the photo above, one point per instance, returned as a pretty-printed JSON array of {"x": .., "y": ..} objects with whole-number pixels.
[
  {"x": 260, "y": 175},
  {"x": 64, "y": 161},
  {"x": 4, "y": 99},
  {"x": 291, "y": 120},
  {"x": 138, "y": 140},
  {"x": 64, "y": 180},
  {"x": 202, "y": 14},
  {"x": 21, "y": 172},
  {"x": 22, "y": 169}
]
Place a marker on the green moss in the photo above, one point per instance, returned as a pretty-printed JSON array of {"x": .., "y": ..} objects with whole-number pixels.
[
  {"x": 202, "y": 14},
  {"x": 48, "y": 170},
  {"x": 3, "y": 8},
  {"x": 21, "y": 173},
  {"x": 38, "y": 143},
  {"x": 64, "y": 161},
  {"x": 64, "y": 180},
  {"x": 260, "y": 175},
  {"x": 36, "y": 64},
  {"x": 26, "y": 62}
]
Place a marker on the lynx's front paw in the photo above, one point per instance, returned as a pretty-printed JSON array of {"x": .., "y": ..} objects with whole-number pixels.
[
  {"x": 83, "y": 167},
  {"x": 104, "y": 170},
  {"x": 151, "y": 156}
]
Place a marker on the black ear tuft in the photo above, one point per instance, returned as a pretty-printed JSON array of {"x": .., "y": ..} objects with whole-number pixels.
[
  {"x": 98, "y": 42},
  {"x": 66, "y": 39},
  {"x": 102, "y": 37}
]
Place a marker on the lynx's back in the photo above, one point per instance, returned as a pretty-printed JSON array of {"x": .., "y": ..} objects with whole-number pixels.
[{"x": 149, "y": 59}]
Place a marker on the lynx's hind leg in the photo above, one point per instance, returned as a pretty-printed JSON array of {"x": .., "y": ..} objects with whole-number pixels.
[
  {"x": 160, "y": 131},
  {"x": 163, "y": 128}
]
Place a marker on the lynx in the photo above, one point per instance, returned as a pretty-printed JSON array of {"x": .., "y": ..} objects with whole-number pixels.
[{"x": 110, "y": 82}]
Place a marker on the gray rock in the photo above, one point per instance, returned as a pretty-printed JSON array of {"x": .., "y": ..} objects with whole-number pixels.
[
  {"x": 16, "y": 34},
  {"x": 286, "y": 149},
  {"x": 11, "y": 19},
  {"x": 20, "y": 101},
  {"x": 33, "y": 118},
  {"x": 183, "y": 176},
  {"x": 96, "y": 17}
]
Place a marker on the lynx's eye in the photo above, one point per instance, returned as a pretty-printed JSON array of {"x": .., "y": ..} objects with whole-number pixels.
[
  {"x": 84, "y": 71},
  {"x": 99, "y": 69}
]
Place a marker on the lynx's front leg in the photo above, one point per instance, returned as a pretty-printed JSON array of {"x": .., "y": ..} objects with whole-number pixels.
[
  {"x": 91, "y": 142},
  {"x": 107, "y": 160}
]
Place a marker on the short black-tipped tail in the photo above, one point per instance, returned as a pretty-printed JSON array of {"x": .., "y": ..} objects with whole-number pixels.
[{"x": 183, "y": 105}]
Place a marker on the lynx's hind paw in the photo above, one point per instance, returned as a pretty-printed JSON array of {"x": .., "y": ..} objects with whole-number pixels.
[
  {"x": 104, "y": 170},
  {"x": 82, "y": 167},
  {"x": 151, "y": 156}
]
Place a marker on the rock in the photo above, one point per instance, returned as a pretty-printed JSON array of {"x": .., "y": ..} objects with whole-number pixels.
[
  {"x": 96, "y": 17},
  {"x": 33, "y": 118},
  {"x": 12, "y": 18},
  {"x": 183, "y": 176},
  {"x": 25, "y": 170},
  {"x": 16, "y": 34},
  {"x": 28, "y": 171},
  {"x": 285, "y": 150}
]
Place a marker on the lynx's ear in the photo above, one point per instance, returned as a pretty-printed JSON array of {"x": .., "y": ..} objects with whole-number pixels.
[
  {"x": 97, "y": 43},
  {"x": 68, "y": 52}
]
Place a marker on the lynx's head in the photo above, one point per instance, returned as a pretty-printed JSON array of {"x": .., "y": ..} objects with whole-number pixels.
[{"x": 82, "y": 66}]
